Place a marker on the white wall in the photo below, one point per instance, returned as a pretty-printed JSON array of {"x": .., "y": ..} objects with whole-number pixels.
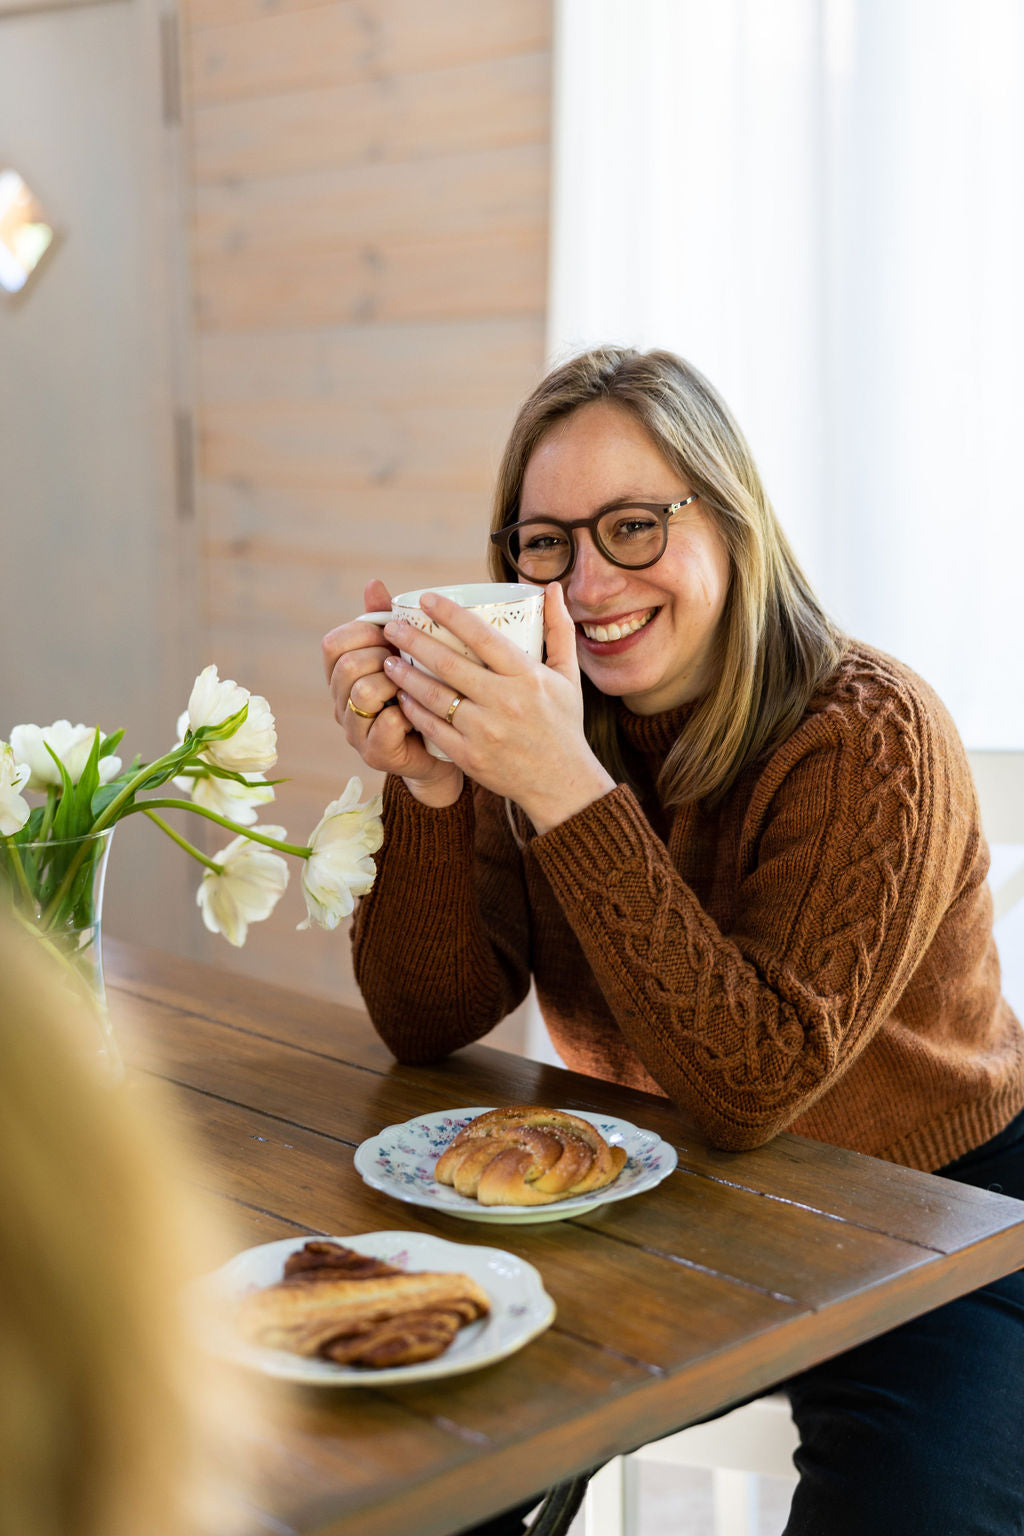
[{"x": 820, "y": 203}]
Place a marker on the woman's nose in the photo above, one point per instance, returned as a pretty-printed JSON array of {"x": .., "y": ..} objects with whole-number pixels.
[{"x": 593, "y": 579}]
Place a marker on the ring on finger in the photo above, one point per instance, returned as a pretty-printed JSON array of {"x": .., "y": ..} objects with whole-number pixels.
[
  {"x": 452, "y": 707},
  {"x": 364, "y": 714}
]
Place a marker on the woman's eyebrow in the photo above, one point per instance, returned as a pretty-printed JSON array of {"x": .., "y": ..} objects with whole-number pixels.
[{"x": 606, "y": 506}]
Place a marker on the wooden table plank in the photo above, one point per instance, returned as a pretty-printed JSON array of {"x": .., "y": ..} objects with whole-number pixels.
[
  {"x": 231, "y": 1060},
  {"x": 694, "y": 1223}
]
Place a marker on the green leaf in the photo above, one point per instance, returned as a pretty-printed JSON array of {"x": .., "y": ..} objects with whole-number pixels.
[
  {"x": 105, "y": 794},
  {"x": 215, "y": 771},
  {"x": 198, "y": 738},
  {"x": 153, "y": 780},
  {"x": 108, "y": 743},
  {"x": 88, "y": 784},
  {"x": 30, "y": 831},
  {"x": 127, "y": 774},
  {"x": 63, "y": 821}
]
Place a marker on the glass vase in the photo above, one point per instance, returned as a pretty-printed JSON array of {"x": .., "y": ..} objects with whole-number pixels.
[{"x": 57, "y": 890}]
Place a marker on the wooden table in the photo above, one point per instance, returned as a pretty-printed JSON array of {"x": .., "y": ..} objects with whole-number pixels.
[{"x": 738, "y": 1270}]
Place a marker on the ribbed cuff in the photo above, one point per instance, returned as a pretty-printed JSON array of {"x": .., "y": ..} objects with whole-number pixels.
[
  {"x": 610, "y": 833},
  {"x": 420, "y": 831}
]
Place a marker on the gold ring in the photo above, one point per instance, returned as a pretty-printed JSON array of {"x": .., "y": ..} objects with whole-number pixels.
[
  {"x": 364, "y": 714},
  {"x": 452, "y": 707}
]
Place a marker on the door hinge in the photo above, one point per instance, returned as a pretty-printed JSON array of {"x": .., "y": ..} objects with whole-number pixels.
[{"x": 184, "y": 466}]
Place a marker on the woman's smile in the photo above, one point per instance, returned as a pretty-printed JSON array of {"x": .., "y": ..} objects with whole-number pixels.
[{"x": 604, "y": 633}]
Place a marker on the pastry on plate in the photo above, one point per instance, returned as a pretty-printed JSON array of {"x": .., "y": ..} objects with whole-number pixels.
[
  {"x": 528, "y": 1155},
  {"x": 347, "y": 1307}
]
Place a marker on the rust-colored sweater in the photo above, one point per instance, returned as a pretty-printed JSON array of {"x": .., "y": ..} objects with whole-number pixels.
[{"x": 813, "y": 954}]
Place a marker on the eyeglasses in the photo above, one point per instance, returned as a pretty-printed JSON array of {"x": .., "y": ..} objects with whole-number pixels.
[{"x": 632, "y": 536}]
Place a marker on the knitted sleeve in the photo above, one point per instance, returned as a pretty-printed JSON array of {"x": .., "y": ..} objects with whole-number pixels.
[
  {"x": 441, "y": 943},
  {"x": 849, "y": 852}
]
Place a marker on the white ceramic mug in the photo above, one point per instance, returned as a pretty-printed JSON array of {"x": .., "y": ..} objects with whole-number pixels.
[{"x": 510, "y": 607}]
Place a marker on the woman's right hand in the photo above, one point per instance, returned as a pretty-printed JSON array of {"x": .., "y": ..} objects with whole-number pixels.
[{"x": 366, "y": 708}]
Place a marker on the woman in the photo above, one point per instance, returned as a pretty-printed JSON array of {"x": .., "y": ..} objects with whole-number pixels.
[{"x": 740, "y": 856}]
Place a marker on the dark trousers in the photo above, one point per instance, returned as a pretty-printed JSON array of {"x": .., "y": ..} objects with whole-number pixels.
[{"x": 919, "y": 1432}]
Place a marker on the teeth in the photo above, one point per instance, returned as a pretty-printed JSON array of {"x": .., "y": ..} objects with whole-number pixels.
[{"x": 617, "y": 631}]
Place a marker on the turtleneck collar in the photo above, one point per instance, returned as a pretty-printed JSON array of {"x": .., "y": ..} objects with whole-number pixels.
[{"x": 653, "y": 735}]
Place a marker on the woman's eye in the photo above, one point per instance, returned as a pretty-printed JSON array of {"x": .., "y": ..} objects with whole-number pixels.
[
  {"x": 636, "y": 527},
  {"x": 542, "y": 542}
]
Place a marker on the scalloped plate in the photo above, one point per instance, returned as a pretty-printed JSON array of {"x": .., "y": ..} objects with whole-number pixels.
[
  {"x": 520, "y": 1308},
  {"x": 400, "y": 1161}
]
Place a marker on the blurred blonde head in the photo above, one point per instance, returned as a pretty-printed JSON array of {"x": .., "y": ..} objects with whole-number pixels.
[{"x": 109, "y": 1414}]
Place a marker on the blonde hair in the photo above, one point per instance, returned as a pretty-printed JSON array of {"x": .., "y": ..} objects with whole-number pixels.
[
  {"x": 775, "y": 643},
  {"x": 109, "y": 1409}
]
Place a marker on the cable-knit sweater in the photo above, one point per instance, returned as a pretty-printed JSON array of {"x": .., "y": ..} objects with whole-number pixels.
[{"x": 813, "y": 953}]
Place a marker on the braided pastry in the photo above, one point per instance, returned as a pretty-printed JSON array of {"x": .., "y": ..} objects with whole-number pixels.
[{"x": 527, "y": 1155}]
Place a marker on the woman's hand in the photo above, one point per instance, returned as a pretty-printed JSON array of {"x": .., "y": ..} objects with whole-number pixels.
[
  {"x": 354, "y": 658},
  {"x": 518, "y": 729}
]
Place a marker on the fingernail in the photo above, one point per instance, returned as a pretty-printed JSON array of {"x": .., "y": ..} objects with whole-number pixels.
[
  {"x": 391, "y": 629},
  {"x": 392, "y": 663}
]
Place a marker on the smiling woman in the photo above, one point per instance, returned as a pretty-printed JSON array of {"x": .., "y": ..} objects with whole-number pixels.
[
  {"x": 646, "y": 631},
  {"x": 615, "y": 419},
  {"x": 739, "y": 855}
]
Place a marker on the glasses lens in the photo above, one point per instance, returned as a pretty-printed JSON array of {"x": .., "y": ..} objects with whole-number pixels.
[
  {"x": 541, "y": 550},
  {"x": 631, "y": 536}
]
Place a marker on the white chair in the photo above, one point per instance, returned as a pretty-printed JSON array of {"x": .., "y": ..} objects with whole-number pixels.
[
  {"x": 760, "y": 1438},
  {"x": 999, "y": 777},
  {"x": 754, "y": 1441}
]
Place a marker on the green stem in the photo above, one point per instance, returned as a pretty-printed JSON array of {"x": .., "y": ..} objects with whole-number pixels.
[
  {"x": 182, "y": 842},
  {"x": 66, "y": 962},
  {"x": 48, "y": 813},
  {"x": 19, "y": 870},
  {"x": 105, "y": 818},
  {"x": 48, "y": 917},
  {"x": 300, "y": 850},
  {"x": 113, "y": 810}
]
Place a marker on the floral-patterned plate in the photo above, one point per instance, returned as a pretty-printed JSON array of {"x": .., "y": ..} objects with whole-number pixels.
[
  {"x": 400, "y": 1161},
  {"x": 520, "y": 1308}
]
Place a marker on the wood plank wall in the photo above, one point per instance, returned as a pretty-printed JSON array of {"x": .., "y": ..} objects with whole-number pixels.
[{"x": 369, "y": 186}]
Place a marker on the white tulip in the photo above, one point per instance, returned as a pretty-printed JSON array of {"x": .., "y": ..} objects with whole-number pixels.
[
  {"x": 72, "y": 744},
  {"x": 227, "y": 797},
  {"x": 247, "y": 888},
  {"x": 340, "y": 868},
  {"x": 212, "y": 701},
  {"x": 14, "y": 808}
]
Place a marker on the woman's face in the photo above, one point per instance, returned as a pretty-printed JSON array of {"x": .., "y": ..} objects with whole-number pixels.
[{"x": 666, "y": 616}]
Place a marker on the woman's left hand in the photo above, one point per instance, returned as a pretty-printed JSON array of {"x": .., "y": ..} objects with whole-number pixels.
[{"x": 518, "y": 729}]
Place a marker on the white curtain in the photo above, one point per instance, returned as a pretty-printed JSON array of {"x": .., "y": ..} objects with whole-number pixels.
[{"x": 820, "y": 203}]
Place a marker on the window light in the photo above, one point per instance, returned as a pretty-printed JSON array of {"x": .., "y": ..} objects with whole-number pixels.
[{"x": 25, "y": 232}]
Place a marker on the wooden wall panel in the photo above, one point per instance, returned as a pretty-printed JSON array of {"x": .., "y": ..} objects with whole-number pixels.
[
  {"x": 446, "y": 363},
  {"x": 386, "y": 119},
  {"x": 490, "y": 191},
  {"x": 369, "y": 190},
  {"x": 243, "y": 48},
  {"x": 334, "y": 283},
  {"x": 312, "y": 443}
]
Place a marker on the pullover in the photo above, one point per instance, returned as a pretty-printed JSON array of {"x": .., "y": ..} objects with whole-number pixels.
[{"x": 813, "y": 952}]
